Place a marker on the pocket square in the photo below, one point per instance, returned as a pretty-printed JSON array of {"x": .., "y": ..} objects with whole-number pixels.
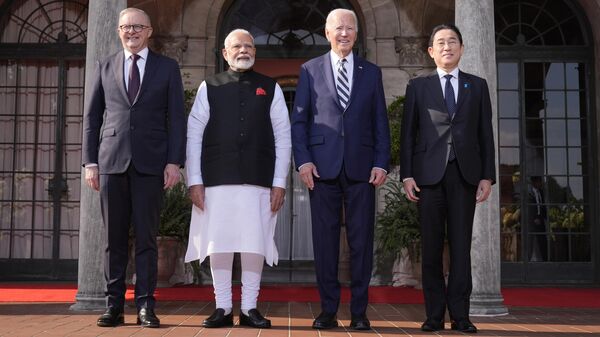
[{"x": 260, "y": 92}]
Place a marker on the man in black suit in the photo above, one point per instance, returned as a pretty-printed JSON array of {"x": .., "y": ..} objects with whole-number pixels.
[
  {"x": 447, "y": 165},
  {"x": 133, "y": 146}
]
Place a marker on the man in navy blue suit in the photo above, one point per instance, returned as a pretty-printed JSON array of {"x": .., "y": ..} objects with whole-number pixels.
[
  {"x": 447, "y": 165},
  {"x": 133, "y": 146},
  {"x": 341, "y": 145}
]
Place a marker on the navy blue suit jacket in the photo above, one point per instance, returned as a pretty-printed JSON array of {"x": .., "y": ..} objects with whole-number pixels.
[
  {"x": 151, "y": 132},
  {"x": 326, "y": 135}
]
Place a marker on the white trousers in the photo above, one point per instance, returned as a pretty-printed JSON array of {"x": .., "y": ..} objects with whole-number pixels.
[{"x": 221, "y": 265}]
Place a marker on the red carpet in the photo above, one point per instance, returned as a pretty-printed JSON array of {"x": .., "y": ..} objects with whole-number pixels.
[{"x": 529, "y": 297}]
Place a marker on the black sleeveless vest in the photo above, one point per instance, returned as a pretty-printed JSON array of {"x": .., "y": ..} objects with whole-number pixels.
[{"x": 238, "y": 146}]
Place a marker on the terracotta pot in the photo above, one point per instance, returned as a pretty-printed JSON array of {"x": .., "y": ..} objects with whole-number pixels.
[{"x": 168, "y": 249}]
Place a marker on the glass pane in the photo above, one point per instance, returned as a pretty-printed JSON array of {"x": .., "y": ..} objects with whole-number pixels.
[
  {"x": 555, "y": 104},
  {"x": 555, "y": 76},
  {"x": 4, "y": 244},
  {"x": 557, "y": 132},
  {"x": 509, "y": 132},
  {"x": 510, "y": 246},
  {"x": 7, "y": 127},
  {"x": 5, "y": 211},
  {"x": 42, "y": 245},
  {"x": 69, "y": 245},
  {"x": 538, "y": 247},
  {"x": 574, "y": 129},
  {"x": 508, "y": 76},
  {"x": 6, "y": 186},
  {"x": 509, "y": 159},
  {"x": 74, "y": 103},
  {"x": 21, "y": 248},
  {"x": 44, "y": 216},
  {"x": 559, "y": 247},
  {"x": 25, "y": 128},
  {"x": 557, "y": 161},
  {"x": 23, "y": 186},
  {"x": 42, "y": 186},
  {"x": 534, "y": 75},
  {"x": 575, "y": 74},
  {"x": 556, "y": 189},
  {"x": 534, "y": 132},
  {"x": 576, "y": 189},
  {"x": 6, "y": 157},
  {"x": 72, "y": 159},
  {"x": 509, "y": 189},
  {"x": 581, "y": 251},
  {"x": 75, "y": 73},
  {"x": 575, "y": 100},
  {"x": 534, "y": 104},
  {"x": 69, "y": 216},
  {"x": 45, "y": 158},
  {"x": 535, "y": 162},
  {"x": 508, "y": 104},
  {"x": 575, "y": 164}
]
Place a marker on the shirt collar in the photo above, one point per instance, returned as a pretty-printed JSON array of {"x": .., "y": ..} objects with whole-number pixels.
[
  {"x": 143, "y": 53},
  {"x": 335, "y": 59},
  {"x": 442, "y": 73}
]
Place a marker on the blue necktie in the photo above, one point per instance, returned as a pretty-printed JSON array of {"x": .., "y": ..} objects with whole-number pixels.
[
  {"x": 451, "y": 107},
  {"x": 343, "y": 87}
]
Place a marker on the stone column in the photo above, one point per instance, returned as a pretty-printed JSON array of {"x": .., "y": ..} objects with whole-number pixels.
[
  {"x": 102, "y": 40},
  {"x": 475, "y": 19}
]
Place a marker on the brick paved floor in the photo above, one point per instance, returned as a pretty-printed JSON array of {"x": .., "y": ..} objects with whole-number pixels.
[{"x": 289, "y": 319}]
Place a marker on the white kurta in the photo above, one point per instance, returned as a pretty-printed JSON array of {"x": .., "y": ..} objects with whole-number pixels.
[{"x": 236, "y": 218}]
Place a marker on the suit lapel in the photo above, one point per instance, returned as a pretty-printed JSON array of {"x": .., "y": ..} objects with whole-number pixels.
[
  {"x": 118, "y": 65},
  {"x": 356, "y": 78},
  {"x": 149, "y": 70},
  {"x": 464, "y": 90},
  {"x": 329, "y": 78},
  {"x": 436, "y": 90}
]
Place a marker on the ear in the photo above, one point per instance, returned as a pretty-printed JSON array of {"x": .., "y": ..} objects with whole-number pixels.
[
  {"x": 430, "y": 51},
  {"x": 327, "y": 34},
  {"x": 224, "y": 52},
  {"x": 150, "y": 30}
]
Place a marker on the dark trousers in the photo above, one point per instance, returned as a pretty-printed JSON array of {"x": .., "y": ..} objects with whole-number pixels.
[
  {"x": 131, "y": 198},
  {"x": 451, "y": 202},
  {"x": 326, "y": 201}
]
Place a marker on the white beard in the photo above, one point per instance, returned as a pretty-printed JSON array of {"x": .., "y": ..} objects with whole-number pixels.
[{"x": 241, "y": 64}]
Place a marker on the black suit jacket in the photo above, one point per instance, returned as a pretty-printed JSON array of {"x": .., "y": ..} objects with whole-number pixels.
[
  {"x": 151, "y": 132},
  {"x": 427, "y": 130}
]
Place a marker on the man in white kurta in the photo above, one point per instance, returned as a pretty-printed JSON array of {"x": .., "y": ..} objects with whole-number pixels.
[{"x": 238, "y": 157}]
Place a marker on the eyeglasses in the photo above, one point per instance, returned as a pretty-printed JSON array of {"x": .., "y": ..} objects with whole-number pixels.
[{"x": 135, "y": 28}]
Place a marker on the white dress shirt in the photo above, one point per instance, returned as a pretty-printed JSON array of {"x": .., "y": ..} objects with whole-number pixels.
[
  {"x": 336, "y": 64},
  {"x": 141, "y": 63}
]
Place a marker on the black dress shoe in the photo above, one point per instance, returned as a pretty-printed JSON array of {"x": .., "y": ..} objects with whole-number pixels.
[
  {"x": 463, "y": 325},
  {"x": 254, "y": 319},
  {"x": 432, "y": 325},
  {"x": 111, "y": 317},
  {"x": 325, "y": 320},
  {"x": 147, "y": 318},
  {"x": 360, "y": 322},
  {"x": 218, "y": 319}
]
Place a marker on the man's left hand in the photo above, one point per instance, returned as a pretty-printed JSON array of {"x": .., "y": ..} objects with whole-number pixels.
[
  {"x": 171, "y": 175},
  {"x": 483, "y": 190},
  {"x": 378, "y": 176},
  {"x": 277, "y": 196}
]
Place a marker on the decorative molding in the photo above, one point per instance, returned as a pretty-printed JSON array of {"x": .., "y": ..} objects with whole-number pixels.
[
  {"x": 412, "y": 51},
  {"x": 171, "y": 46}
]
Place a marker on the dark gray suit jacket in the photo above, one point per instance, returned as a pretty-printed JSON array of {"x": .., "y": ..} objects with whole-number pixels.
[
  {"x": 150, "y": 133},
  {"x": 427, "y": 129}
]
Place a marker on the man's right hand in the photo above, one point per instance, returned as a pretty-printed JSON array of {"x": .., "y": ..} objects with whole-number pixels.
[
  {"x": 92, "y": 178},
  {"x": 411, "y": 189},
  {"x": 307, "y": 171},
  {"x": 197, "y": 196}
]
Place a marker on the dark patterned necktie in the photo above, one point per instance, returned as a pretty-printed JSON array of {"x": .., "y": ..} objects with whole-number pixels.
[
  {"x": 343, "y": 88},
  {"x": 451, "y": 107},
  {"x": 134, "y": 79}
]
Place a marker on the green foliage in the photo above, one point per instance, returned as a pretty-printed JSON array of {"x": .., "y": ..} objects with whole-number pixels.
[
  {"x": 395, "y": 110},
  {"x": 398, "y": 225},
  {"x": 176, "y": 213},
  {"x": 189, "y": 95}
]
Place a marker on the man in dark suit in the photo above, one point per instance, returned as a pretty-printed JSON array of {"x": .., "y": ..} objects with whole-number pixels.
[
  {"x": 341, "y": 145},
  {"x": 447, "y": 166},
  {"x": 133, "y": 147}
]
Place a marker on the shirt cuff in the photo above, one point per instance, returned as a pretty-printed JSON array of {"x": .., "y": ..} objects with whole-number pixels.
[
  {"x": 379, "y": 168},
  {"x": 407, "y": 179},
  {"x": 279, "y": 182},
  {"x": 90, "y": 165}
]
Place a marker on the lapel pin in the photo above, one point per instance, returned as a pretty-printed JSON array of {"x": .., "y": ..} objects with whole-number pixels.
[
  {"x": 466, "y": 85},
  {"x": 359, "y": 67}
]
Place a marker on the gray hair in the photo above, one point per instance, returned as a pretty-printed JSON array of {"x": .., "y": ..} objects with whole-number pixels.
[
  {"x": 238, "y": 30},
  {"x": 341, "y": 11},
  {"x": 135, "y": 10}
]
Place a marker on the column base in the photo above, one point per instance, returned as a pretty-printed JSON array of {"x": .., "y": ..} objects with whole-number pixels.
[
  {"x": 487, "y": 305},
  {"x": 89, "y": 302}
]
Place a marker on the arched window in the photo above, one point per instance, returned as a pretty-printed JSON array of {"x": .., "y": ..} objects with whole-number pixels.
[
  {"x": 42, "y": 61},
  {"x": 546, "y": 168}
]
